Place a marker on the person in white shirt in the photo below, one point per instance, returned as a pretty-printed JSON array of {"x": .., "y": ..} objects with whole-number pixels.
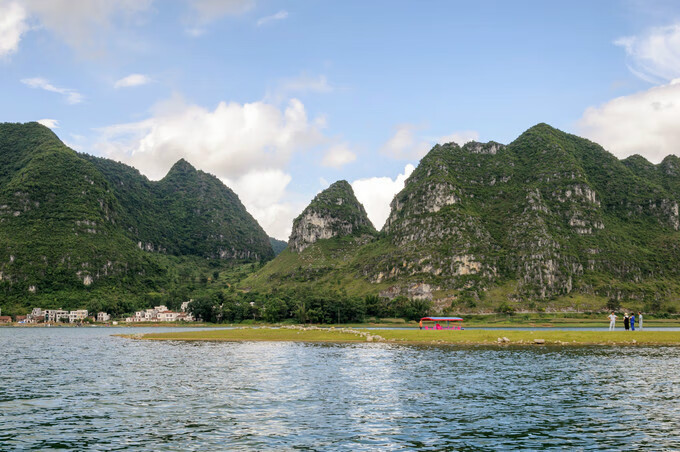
[
  {"x": 640, "y": 319},
  {"x": 612, "y": 321}
]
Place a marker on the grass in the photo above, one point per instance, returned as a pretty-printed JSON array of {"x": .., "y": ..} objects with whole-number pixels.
[
  {"x": 465, "y": 337},
  {"x": 254, "y": 334}
]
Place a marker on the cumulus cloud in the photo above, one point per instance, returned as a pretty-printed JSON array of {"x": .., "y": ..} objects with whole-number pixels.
[
  {"x": 265, "y": 195},
  {"x": 338, "y": 156},
  {"x": 655, "y": 55},
  {"x": 283, "y": 14},
  {"x": 12, "y": 26},
  {"x": 72, "y": 96},
  {"x": 407, "y": 144},
  {"x": 132, "y": 80},
  {"x": 644, "y": 123},
  {"x": 246, "y": 145},
  {"x": 228, "y": 141},
  {"x": 50, "y": 123},
  {"x": 376, "y": 193}
]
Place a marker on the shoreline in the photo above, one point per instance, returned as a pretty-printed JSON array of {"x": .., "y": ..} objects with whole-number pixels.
[
  {"x": 509, "y": 324},
  {"x": 421, "y": 337}
]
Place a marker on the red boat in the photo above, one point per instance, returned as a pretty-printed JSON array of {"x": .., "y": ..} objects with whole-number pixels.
[{"x": 438, "y": 321}]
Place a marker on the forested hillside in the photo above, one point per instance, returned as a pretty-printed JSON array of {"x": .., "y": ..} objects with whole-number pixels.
[{"x": 75, "y": 228}]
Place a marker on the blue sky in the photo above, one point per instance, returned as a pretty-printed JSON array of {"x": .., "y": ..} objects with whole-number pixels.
[{"x": 279, "y": 99}]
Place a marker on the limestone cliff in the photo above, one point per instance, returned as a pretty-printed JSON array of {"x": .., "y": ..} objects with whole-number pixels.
[
  {"x": 545, "y": 217},
  {"x": 335, "y": 212}
]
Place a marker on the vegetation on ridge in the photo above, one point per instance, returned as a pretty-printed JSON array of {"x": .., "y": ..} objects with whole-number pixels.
[
  {"x": 80, "y": 231},
  {"x": 549, "y": 221}
]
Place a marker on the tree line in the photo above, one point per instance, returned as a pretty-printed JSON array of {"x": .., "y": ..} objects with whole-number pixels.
[{"x": 303, "y": 306}]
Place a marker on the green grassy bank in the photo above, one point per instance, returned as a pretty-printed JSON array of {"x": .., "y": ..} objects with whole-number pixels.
[{"x": 465, "y": 337}]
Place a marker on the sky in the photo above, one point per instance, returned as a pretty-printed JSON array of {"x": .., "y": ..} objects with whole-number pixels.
[{"x": 279, "y": 99}]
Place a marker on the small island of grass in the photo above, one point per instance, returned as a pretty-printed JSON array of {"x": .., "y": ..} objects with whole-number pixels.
[{"x": 464, "y": 337}]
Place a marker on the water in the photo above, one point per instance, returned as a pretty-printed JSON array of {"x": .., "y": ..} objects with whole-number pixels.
[{"x": 80, "y": 388}]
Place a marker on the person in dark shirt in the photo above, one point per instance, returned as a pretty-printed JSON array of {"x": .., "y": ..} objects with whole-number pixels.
[{"x": 626, "y": 322}]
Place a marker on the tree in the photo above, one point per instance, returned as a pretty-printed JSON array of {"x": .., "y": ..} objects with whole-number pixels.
[{"x": 203, "y": 308}]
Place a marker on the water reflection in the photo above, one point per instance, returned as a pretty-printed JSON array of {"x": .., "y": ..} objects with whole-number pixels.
[{"x": 83, "y": 389}]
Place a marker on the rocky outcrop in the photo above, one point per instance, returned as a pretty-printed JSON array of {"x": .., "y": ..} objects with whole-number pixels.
[
  {"x": 542, "y": 211},
  {"x": 543, "y": 217},
  {"x": 335, "y": 212}
]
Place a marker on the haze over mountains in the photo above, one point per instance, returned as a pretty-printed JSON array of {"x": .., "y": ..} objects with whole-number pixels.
[{"x": 548, "y": 217}]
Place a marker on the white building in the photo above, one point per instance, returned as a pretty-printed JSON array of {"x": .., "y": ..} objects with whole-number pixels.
[
  {"x": 103, "y": 317},
  {"x": 159, "y": 314},
  {"x": 55, "y": 315},
  {"x": 36, "y": 315},
  {"x": 167, "y": 316},
  {"x": 77, "y": 316}
]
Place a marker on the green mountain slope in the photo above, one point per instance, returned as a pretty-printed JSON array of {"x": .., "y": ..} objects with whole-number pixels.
[
  {"x": 75, "y": 228},
  {"x": 551, "y": 218},
  {"x": 188, "y": 212},
  {"x": 277, "y": 245}
]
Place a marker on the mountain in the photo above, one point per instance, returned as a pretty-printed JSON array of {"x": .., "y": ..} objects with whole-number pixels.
[
  {"x": 277, "y": 245},
  {"x": 335, "y": 212},
  {"x": 76, "y": 227},
  {"x": 188, "y": 212},
  {"x": 324, "y": 239},
  {"x": 550, "y": 221}
]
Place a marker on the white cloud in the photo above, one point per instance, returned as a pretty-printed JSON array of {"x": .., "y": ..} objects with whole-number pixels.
[
  {"x": 50, "y": 123},
  {"x": 83, "y": 24},
  {"x": 72, "y": 96},
  {"x": 229, "y": 141},
  {"x": 460, "y": 138},
  {"x": 302, "y": 84},
  {"x": 376, "y": 193},
  {"x": 655, "y": 55},
  {"x": 283, "y": 14},
  {"x": 404, "y": 144},
  {"x": 338, "y": 156},
  {"x": 264, "y": 194},
  {"x": 306, "y": 83},
  {"x": 408, "y": 145},
  {"x": 202, "y": 12},
  {"x": 12, "y": 26},
  {"x": 644, "y": 123},
  {"x": 209, "y": 10},
  {"x": 132, "y": 80}
]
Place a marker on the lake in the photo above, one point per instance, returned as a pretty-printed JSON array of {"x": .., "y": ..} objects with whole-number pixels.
[{"x": 81, "y": 388}]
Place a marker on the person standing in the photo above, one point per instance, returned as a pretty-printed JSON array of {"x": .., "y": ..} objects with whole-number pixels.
[
  {"x": 612, "y": 321},
  {"x": 632, "y": 321},
  {"x": 640, "y": 320},
  {"x": 626, "y": 322}
]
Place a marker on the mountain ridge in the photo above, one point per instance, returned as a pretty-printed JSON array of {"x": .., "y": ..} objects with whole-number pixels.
[
  {"x": 547, "y": 217},
  {"x": 75, "y": 225}
]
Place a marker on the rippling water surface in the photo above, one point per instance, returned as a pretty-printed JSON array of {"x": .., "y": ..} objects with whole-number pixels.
[{"x": 80, "y": 388}]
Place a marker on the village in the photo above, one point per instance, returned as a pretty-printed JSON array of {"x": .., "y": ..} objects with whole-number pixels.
[{"x": 159, "y": 313}]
